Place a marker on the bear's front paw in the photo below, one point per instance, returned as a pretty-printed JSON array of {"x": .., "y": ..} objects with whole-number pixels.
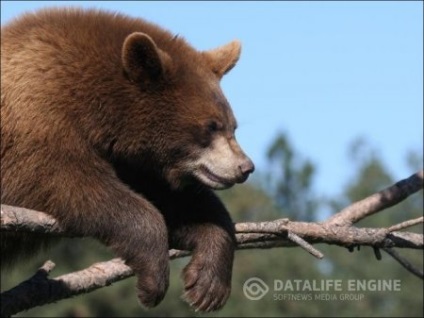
[
  {"x": 207, "y": 285},
  {"x": 152, "y": 285}
]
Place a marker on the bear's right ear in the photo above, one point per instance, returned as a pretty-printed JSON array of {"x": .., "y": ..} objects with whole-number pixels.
[{"x": 142, "y": 59}]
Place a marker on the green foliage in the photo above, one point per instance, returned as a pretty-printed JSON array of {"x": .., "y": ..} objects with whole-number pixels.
[
  {"x": 286, "y": 190},
  {"x": 290, "y": 180}
]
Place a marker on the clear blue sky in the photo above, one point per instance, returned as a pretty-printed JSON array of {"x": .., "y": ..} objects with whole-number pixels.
[{"x": 325, "y": 72}]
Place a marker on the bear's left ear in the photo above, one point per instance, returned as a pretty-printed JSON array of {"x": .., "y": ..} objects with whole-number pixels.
[
  {"x": 142, "y": 59},
  {"x": 223, "y": 59}
]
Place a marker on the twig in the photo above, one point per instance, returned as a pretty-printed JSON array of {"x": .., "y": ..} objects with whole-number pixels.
[
  {"x": 404, "y": 262},
  {"x": 377, "y": 253},
  {"x": 404, "y": 225},
  {"x": 305, "y": 245}
]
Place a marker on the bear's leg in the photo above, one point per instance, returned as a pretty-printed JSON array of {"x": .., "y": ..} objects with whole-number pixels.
[
  {"x": 131, "y": 226},
  {"x": 202, "y": 224},
  {"x": 87, "y": 199}
]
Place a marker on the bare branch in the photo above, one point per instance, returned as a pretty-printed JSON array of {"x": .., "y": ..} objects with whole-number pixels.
[
  {"x": 24, "y": 220},
  {"x": 40, "y": 290},
  {"x": 404, "y": 225},
  {"x": 276, "y": 227},
  {"x": 315, "y": 233},
  {"x": 404, "y": 262},
  {"x": 379, "y": 201},
  {"x": 305, "y": 245},
  {"x": 247, "y": 233}
]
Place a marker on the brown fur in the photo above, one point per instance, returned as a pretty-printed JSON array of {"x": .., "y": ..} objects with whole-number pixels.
[{"x": 103, "y": 119}]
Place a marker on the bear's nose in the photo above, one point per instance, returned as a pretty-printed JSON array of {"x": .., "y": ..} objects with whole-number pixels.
[{"x": 246, "y": 167}]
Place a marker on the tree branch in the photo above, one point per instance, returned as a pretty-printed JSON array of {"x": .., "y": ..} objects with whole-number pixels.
[
  {"x": 16, "y": 219},
  {"x": 337, "y": 230},
  {"x": 379, "y": 201},
  {"x": 405, "y": 263},
  {"x": 406, "y": 224},
  {"x": 40, "y": 290}
]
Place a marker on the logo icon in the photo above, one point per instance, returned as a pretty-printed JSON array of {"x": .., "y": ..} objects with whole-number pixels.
[{"x": 255, "y": 288}]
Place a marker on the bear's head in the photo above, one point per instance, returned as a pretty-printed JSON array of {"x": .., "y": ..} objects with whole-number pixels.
[{"x": 189, "y": 133}]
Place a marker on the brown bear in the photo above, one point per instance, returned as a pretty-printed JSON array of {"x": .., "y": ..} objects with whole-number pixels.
[{"x": 120, "y": 131}]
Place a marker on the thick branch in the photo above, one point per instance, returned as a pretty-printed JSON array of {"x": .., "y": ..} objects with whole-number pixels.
[
  {"x": 40, "y": 290},
  {"x": 315, "y": 233},
  {"x": 18, "y": 219},
  {"x": 275, "y": 233}
]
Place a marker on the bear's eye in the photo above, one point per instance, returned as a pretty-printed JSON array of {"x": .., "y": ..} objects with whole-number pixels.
[{"x": 213, "y": 126}]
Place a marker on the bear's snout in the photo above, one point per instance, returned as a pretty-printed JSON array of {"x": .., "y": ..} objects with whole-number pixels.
[
  {"x": 246, "y": 167},
  {"x": 223, "y": 164}
]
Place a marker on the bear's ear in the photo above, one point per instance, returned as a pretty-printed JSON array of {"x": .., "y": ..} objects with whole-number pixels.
[
  {"x": 224, "y": 58},
  {"x": 142, "y": 59}
]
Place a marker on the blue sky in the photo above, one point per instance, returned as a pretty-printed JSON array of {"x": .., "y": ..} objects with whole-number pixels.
[{"x": 325, "y": 72}]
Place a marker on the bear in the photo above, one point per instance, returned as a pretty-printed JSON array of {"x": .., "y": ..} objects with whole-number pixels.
[{"x": 119, "y": 130}]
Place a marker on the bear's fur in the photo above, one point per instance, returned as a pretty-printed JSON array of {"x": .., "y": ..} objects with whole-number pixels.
[{"x": 120, "y": 130}]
